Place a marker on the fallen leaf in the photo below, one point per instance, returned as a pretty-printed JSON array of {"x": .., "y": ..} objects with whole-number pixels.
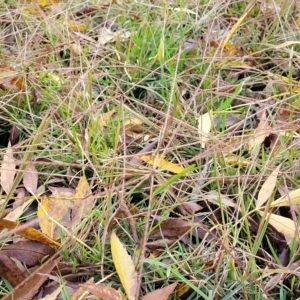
[
  {"x": 82, "y": 190},
  {"x": 10, "y": 78},
  {"x": 294, "y": 83},
  {"x": 80, "y": 291},
  {"x": 189, "y": 208},
  {"x": 160, "y": 162},
  {"x": 8, "y": 170},
  {"x": 29, "y": 233},
  {"x": 28, "y": 252},
  {"x": 65, "y": 208},
  {"x": 45, "y": 3},
  {"x": 14, "y": 134},
  {"x": 53, "y": 295},
  {"x": 52, "y": 212},
  {"x": 102, "y": 291},
  {"x": 283, "y": 225},
  {"x": 31, "y": 285},
  {"x": 171, "y": 228},
  {"x": 283, "y": 272},
  {"x": 161, "y": 244},
  {"x": 106, "y": 35},
  {"x": 161, "y": 294},
  {"x": 15, "y": 214},
  {"x": 30, "y": 179},
  {"x": 217, "y": 198},
  {"x": 76, "y": 26},
  {"x": 204, "y": 127},
  {"x": 10, "y": 271},
  {"x": 237, "y": 160},
  {"x": 261, "y": 132},
  {"x": 267, "y": 188},
  {"x": 124, "y": 266},
  {"x": 293, "y": 197},
  {"x": 105, "y": 118},
  {"x": 182, "y": 289}
]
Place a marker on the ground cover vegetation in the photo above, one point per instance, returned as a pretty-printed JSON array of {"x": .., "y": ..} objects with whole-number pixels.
[{"x": 149, "y": 149}]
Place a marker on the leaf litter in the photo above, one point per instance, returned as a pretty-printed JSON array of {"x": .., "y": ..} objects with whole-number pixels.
[{"x": 240, "y": 146}]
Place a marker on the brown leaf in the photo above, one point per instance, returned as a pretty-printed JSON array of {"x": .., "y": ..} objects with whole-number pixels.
[
  {"x": 28, "y": 252},
  {"x": 80, "y": 291},
  {"x": 29, "y": 233},
  {"x": 8, "y": 170},
  {"x": 10, "y": 271},
  {"x": 171, "y": 228},
  {"x": 10, "y": 78},
  {"x": 161, "y": 294},
  {"x": 30, "y": 179},
  {"x": 14, "y": 134},
  {"x": 87, "y": 11},
  {"x": 30, "y": 286},
  {"x": 189, "y": 208},
  {"x": 160, "y": 244},
  {"x": 103, "y": 291}
]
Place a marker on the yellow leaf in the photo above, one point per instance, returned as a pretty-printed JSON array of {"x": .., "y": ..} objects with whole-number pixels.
[
  {"x": 267, "y": 188},
  {"x": 237, "y": 24},
  {"x": 161, "y": 50},
  {"x": 51, "y": 212},
  {"x": 261, "y": 132},
  {"x": 45, "y": 3},
  {"x": 283, "y": 225},
  {"x": 294, "y": 197},
  {"x": 29, "y": 233},
  {"x": 160, "y": 162},
  {"x": 8, "y": 170},
  {"x": 65, "y": 208},
  {"x": 124, "y": 266},
  {"x": 204, "y": 127},
  {"x": 234, "y": 159},
  {"x": 102, "y": 120},
  {"x": 76, "y": 26},
  {"x": 82, "y": 190}
]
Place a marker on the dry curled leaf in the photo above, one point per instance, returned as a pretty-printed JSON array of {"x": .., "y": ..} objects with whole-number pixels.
[{"x": 8, "y": 170}]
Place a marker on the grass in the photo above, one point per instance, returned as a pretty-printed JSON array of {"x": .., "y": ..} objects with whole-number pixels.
[{"x": 166, "y": 73}]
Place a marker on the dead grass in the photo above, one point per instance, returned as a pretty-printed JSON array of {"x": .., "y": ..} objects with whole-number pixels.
[{"x": 109, "y": 98}]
